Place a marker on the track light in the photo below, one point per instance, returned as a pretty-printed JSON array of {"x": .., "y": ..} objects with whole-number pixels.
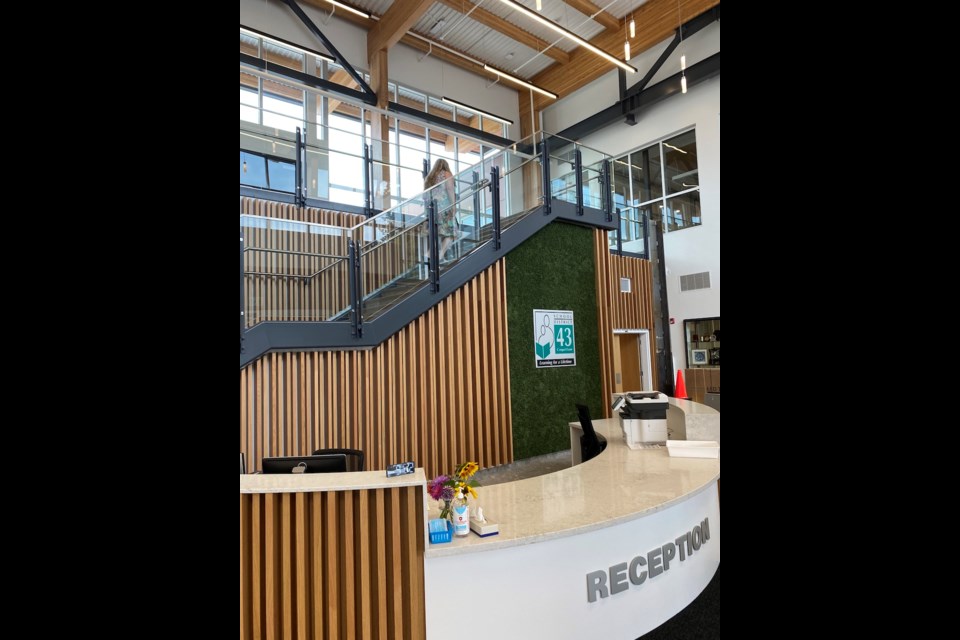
[
  {"x": 475, "y": 110},
  {"x": 568, "y": 34},
  {"x": 522, "y": 83},
  {"x": 683, "y": 74},
  {"x": 362, "y": 14}
]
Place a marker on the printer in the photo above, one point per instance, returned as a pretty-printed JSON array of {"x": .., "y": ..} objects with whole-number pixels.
[{"x": 643, "y": 417}]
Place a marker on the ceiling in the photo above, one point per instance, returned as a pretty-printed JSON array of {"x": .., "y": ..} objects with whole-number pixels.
[{"x": 471, "y": 33}]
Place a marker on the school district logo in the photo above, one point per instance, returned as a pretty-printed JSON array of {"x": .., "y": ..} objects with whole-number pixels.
[{"x": 554, "y": 344}]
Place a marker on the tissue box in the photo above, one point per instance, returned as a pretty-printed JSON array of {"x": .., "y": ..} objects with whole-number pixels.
[
  {"x": 484, "y": 529},
  {"x": 693, "y": 448}
]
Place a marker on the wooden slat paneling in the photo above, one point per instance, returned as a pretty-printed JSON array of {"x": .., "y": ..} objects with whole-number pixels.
[
  {"x": 617, "y": 310},
  {"x": 408, "y": 399},
  {"x": 320, "y": 566},
  {"x": 294, "y": 287}
]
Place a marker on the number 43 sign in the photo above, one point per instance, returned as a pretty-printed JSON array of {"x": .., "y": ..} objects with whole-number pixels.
[{"x": 553, "y": 338}]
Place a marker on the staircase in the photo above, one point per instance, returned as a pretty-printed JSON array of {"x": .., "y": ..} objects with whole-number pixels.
[{"x": 308, "y": 287}]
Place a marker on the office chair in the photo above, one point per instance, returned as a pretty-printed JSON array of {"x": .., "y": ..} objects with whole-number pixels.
[
  {"x": 354, "y": 457},
  {"x": 591, "y": 443}
]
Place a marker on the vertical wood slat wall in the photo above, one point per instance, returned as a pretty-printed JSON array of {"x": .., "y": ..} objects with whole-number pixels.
[
  {"x": 437, "y": 392},
  {"x": 616, "y": 310},
  {"x": 344, "y": 564}
]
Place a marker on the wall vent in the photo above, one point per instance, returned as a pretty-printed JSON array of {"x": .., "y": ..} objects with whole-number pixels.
[{"x": 695, "y": 281}]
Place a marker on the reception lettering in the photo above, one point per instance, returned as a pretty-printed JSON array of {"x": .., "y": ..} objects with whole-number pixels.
[{"x": 619, "y": 577}]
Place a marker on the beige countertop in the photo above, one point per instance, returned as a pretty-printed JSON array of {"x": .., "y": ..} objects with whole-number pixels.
[
  {"x": 690, "y": 407},
  {"x": 313, "y": 482},
  {"x": 617, "y": 486}
]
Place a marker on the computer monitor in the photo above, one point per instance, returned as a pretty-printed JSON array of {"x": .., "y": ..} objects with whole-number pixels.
[
  {"x": 591, "y": 444},
  {"x": 327, "y": 463}
]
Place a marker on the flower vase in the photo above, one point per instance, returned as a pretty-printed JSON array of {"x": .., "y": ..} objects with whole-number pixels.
[
  {"x": 445, "y": 512},
  {"x": 460, "y": 514}
]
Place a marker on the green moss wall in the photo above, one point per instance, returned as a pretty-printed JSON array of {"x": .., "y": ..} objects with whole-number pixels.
[{"x": 554, "y": 269}]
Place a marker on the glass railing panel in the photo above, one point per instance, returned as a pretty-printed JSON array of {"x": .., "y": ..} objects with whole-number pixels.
[
  {"x": 293, "y": 271},
  {"x": 632, "y": 230},
  {"x": 591, "y": 176},
  {"x": 520, "y": 189},
  {"x": 333, "y": 164},
  {"x": 563, "y": 177},
  {"x": 267, "y": 157},
  {"x": 393, "y": 246}
]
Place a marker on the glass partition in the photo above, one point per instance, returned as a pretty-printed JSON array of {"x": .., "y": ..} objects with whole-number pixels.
[{"x": 293, "y": 271}]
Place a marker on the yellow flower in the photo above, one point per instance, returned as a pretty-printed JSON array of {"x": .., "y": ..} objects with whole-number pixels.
[{"x": 467, "y": 469}]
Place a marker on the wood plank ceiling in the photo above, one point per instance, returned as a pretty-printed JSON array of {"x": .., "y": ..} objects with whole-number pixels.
[{"x": 476, "y": 32}]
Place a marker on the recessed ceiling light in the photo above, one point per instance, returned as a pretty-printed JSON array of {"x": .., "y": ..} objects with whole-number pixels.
[{"x": 509, "y": 56}]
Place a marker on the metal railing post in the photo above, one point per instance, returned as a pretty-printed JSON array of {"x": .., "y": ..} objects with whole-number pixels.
[
  {"x": 353, "y": 284},
  {"x": 434, "y": 240},
  {"x": 545, "y": 170},
  {"x": 646, "y": 236},
  {"x": 495, "y": 197},
  {"x": 578, "y": 179},
  {"x": 367, "y": 171},
  {"x": 619, "y": 235},
  {"x": 299, "y": 167},
  {"x": 606, "y": 189}
]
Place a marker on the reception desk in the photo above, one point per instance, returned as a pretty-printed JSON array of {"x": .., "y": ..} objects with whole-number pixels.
[
  {"x": 609, "y": 548},
  {"x": 332, "y": 555}
]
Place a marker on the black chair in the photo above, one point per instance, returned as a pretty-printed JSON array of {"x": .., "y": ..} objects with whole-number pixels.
[
  {"x": 591, "y": 443},
  {"x": 354, "y": 457}
]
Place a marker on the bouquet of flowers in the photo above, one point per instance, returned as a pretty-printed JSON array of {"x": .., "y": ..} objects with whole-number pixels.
[{"x": 458, "y": 486}]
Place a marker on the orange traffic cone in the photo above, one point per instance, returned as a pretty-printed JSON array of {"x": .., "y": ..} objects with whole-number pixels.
[{"x": 680, "y": 391}]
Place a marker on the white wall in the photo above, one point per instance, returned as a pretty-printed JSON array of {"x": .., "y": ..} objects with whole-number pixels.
[
  {"x": 689, "y": 250},
  {"x": 430, "y": 74}
]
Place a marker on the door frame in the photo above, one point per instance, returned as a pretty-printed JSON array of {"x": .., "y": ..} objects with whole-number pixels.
[{"x": 646, "y": 366}]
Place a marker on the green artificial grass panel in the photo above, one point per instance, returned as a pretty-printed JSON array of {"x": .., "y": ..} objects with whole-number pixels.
[{"x": 554, "y": 269}]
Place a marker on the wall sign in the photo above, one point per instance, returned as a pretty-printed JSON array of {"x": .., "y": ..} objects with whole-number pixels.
[{"x": 553, "y": 339}]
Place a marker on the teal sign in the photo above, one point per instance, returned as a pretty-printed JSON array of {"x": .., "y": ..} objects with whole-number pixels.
[{"x": 554, "y": 340}]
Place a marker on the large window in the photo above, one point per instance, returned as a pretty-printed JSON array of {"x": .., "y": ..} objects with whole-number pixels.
[
  {"x": 336, "y": 131},
  {"x": 660, "y": 183}
]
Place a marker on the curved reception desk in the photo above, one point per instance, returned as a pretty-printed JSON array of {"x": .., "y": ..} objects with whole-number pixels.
[{"x": 610, "y": 548}]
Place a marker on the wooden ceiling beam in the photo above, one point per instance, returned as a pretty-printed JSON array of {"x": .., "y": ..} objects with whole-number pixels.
[
  {"x": 656, "y": 21},
  {"x": 393, "y": 24},
  {"x": 587, "y": 8},
  {"x": 508, "y": 29}
]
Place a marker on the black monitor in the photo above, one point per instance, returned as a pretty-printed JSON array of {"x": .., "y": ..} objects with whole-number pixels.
[
  {"x": 327, "y": 463},
  {"x": 591, "y": 444}
]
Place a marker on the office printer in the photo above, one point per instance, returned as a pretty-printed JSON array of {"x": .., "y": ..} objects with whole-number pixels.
[{"x": 643, "y": 417}]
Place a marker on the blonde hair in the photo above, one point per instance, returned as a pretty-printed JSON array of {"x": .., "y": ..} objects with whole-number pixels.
[{"x": 438, "y": 166}]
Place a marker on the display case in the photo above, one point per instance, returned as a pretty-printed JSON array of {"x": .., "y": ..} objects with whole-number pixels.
[{"x": 703, "y": 342}]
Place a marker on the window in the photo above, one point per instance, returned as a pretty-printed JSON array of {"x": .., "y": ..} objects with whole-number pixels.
[
  {"x": 336, "y": 130},
  {"x": 659, "y": 182}
]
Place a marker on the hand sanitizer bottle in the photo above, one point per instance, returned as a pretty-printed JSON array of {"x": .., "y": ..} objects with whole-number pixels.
[{"x": 460, "y": 515}]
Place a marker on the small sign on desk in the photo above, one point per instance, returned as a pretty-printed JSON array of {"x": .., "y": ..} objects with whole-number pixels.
[{"x": 400, "y": 469}]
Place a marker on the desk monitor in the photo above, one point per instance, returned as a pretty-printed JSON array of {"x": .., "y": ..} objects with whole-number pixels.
[
  {"x": 327, "y": 463},
  {"x": 591, "y": 444}
]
